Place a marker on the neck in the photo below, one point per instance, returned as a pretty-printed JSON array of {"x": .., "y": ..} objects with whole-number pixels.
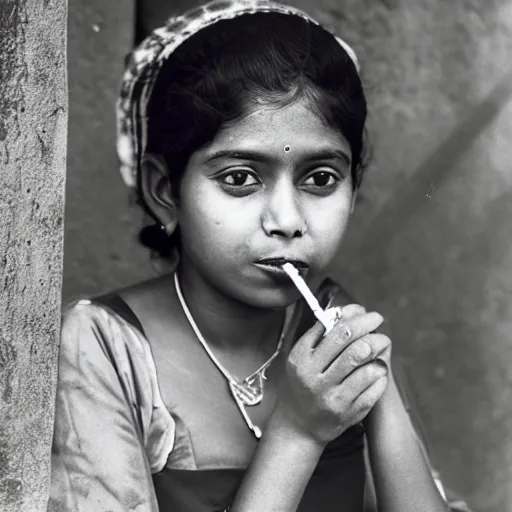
[{"x": 225, "y": 322}]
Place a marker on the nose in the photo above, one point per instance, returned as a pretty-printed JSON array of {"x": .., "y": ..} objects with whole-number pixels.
[{"x": 282, "y": 215}]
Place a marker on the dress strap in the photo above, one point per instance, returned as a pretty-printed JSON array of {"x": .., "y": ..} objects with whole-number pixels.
[{"x": 116, "y": 303}]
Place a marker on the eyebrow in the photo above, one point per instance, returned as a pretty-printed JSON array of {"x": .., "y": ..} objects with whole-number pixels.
[{"x": 322, "y": 154}]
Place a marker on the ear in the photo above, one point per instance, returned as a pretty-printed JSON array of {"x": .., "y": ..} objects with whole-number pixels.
[{"x": 157, "y": 191}]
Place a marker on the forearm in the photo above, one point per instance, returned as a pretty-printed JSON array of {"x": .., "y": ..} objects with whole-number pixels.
[
  {"x": 279, "y": 472},
  {"x": 403, "y": 481}
]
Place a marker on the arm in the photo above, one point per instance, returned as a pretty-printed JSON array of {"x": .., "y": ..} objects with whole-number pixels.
[
  {"x": 98, "y": 459},
  {"x": 402, "y": 476},
  {"x": 321, "y": 395},
  {"x": 279, "y": 472}
]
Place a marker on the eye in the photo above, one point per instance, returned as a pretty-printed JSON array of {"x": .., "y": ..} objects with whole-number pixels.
[
  {"x": 239, "y": 182},
  {"x": 322, "y": 180},
  {"x": 239, "y": 178}
]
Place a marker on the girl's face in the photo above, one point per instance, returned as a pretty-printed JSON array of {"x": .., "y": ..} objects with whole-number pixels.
[{"x": 275, "y": 184}]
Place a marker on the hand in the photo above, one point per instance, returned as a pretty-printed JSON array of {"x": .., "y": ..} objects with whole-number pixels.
[
  {"x": 354, "y": 310},
  {"x": 331, "y": 382}
]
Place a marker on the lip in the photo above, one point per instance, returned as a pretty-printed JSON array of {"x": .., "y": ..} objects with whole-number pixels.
[{"x": 274, "y": 265}]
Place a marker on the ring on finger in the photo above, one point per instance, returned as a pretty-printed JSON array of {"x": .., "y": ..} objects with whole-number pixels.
[{"x": 345, "y": 333}]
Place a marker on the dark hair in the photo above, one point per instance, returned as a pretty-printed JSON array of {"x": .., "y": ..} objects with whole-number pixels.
[{"x": 214, "y": 77}]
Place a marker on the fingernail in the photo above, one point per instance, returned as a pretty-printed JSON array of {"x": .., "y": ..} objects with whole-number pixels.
[{"x": 365, "y": 350}]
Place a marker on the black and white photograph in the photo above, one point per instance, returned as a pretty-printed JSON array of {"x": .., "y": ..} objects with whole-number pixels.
[{"x": 255, "y": 256}]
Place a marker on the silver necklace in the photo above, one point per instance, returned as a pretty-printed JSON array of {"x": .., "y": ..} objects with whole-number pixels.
[{"x": 249, "y": 392}]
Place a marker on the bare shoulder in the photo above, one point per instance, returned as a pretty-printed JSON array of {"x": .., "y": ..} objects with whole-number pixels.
[
  {"x": 153, "y": 300},
  {"x": 156, "y": 289}
]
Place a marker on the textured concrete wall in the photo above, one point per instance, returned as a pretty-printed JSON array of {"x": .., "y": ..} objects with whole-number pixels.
[
  {"x": 100, "y": 252},
  {"x": 429, "y": 244},
  {"x": 33, "y": 122}
]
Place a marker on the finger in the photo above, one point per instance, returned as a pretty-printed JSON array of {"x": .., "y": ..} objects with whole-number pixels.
[
  {"x": 371, "y": 395},
  {"x": 352, "y": 310},
  {"x": 380, "y": 342},
  {"x": 360, "y": 380},
  {"x": 359, "y": 352},
  {"x": 363, "y": 324},
  {"x": 342, "y": 334}
]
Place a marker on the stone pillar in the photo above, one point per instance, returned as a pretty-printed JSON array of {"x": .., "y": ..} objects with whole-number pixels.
[{"x": 33, "y": 126}]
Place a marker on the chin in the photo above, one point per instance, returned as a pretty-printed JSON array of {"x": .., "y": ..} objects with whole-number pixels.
[{"x": 272, "y": 298}]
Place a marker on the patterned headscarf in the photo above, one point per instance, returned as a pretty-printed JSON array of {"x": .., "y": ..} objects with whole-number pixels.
[{"x": 146, "y": 60}]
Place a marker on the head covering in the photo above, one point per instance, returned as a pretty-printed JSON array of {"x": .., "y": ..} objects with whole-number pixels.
[{"x": 147, "y": 59}]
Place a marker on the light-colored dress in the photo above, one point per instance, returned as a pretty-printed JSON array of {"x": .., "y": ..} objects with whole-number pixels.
[{"x": 118, "y": 447}]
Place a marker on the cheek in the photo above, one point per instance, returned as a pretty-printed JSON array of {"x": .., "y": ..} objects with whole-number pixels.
[
  {"x": 329, "y": 223},
  {"x": 221, "y": 223}
]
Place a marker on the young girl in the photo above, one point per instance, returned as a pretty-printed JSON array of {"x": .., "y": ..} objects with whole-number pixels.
[{"x": 213, "y": 387}]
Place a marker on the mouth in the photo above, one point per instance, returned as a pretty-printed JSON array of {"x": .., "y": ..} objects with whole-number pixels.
[{"x": 275, "y": 266}]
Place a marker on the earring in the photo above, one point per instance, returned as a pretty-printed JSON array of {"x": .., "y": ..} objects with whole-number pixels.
[{"x": 167, "y": 228}]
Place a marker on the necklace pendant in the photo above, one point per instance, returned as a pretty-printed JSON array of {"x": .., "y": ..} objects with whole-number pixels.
[
  {"x": 257, "y": 432},
  {"x": 250, "y": 391}
]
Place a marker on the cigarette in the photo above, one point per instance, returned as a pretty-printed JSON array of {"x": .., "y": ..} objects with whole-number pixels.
[{"x": 321, "y": 315}]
